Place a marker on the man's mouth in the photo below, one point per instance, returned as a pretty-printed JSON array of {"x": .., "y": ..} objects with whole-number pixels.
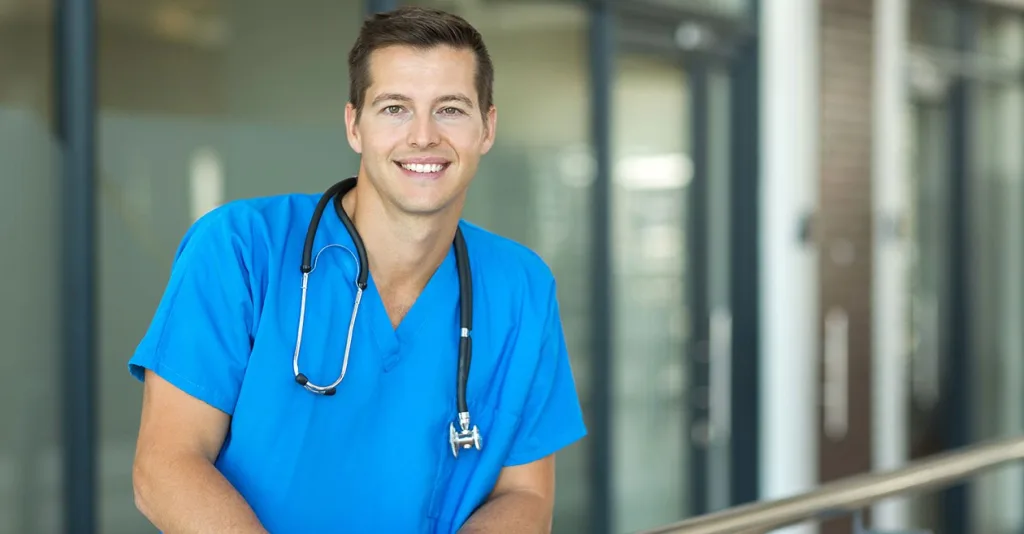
[{"x": 426, "y": 168}]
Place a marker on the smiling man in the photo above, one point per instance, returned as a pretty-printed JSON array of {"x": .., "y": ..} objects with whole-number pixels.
[{"x": 234, "y": 438}]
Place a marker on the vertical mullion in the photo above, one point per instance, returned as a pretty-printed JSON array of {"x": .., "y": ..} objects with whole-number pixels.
[
  {"x": 697, "y": 358},
  {"x": 744, "y": 263},
  {"x": 958, "y": 374},
  {"x": 601, "y": 45},
  {"x": 75, "y": 61}
]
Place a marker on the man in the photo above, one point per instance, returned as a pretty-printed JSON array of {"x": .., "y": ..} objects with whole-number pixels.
[{"x": 230, "y": 443}]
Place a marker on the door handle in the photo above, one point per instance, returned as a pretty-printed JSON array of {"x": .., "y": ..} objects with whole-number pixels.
[{"x": 835, "y": 389}]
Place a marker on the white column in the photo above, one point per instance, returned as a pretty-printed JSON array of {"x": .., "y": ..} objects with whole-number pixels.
[
  {"x": 891, "y": 192},
  {"x": 789, "y": 296}
]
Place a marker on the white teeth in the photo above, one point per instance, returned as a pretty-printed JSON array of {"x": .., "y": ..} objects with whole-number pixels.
[{"x": 423, "y": 167}]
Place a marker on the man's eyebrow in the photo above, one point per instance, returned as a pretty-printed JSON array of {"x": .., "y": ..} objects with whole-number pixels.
[
  {"x": 390, "y": 96},
  {"x": 455, "y": 98}
]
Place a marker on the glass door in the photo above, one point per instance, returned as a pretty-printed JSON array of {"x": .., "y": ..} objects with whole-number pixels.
[
  {"x": 995, "y": 188},
  {"x": 652, "y": 172},
  {"x": 967, "y": 297},
  {"x": 671, "y": 370}
]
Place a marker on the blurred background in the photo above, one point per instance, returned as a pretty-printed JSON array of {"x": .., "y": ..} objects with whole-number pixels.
[{"x": 788, "y": 234}]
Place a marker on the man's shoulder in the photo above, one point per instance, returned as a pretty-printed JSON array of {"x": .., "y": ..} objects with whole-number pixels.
[
  {"x": 246, "y": 219},
  {"x": 245, "y": 212},
  {"x": 252, "y": 227},
  {"x": 502, "y": 256}
]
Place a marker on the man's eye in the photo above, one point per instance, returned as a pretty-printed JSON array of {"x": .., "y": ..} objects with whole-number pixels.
[
  {"x": 393, "y": 109},
  {"x": 451, "y": 111}
]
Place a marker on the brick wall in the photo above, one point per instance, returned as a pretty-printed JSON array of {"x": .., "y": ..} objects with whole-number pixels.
[{"x": 845, "y": 219}]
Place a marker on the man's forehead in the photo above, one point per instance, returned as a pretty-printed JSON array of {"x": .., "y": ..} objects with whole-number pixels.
[
  {"x": 406, "y": 62},
  {"x": 410, "y": 75},
  {"x": 395, "y": 50}
]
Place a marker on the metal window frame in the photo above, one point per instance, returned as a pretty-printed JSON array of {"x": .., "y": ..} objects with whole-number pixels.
[
  {"x": 75, "y": 73},
  {"x": 377, "y": 6},
  {"x": 744, "y": 285},
  {"x": 697, "y": 246},
  {"x": 602, "y": 72},
  {"x": 958, "y": 374}
]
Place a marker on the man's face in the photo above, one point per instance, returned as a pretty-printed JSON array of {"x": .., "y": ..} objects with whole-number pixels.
[{"x": 421, "y": 132}]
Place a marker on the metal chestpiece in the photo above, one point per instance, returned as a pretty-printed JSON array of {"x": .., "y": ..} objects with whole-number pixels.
[{"x": 466, "y": 438}]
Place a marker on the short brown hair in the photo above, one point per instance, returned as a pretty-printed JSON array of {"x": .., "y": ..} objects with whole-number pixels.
[{"x": 421, "y": 28}]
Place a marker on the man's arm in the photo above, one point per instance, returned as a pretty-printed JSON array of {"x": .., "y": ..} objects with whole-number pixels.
[
  {"x": 176, "y": 484},
  {"x": 522, "y": 502}
]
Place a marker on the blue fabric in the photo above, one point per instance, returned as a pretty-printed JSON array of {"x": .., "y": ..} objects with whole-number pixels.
[{"x": 375, "y": 457}]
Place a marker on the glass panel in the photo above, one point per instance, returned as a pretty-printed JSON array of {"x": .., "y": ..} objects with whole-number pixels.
[
  {"x": 997, "y": 290},
  {"x": 651, "y": 170},
  {"x": 934, "y": 23},
  {"x": 928, "y": 282},
  {"x": 933, "y": 42},
  {"x": 201, "y": 103},
  {"x": 534, "y": 185},
  {"x": 30, "y": 445}
]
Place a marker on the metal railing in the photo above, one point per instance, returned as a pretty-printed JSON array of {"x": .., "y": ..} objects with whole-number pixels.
[{"x": 853, "y": 494}]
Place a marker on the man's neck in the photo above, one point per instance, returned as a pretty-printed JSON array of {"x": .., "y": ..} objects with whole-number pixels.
[{"x": 403, "y": 251}]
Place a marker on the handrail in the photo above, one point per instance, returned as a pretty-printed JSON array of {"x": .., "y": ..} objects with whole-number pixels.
[{"x": 854, "y": 493}]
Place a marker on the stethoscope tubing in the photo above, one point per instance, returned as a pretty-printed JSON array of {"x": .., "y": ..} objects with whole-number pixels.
[{"x": 467, "y": 437}]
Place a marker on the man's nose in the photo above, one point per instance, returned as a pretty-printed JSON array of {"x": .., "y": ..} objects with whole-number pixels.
[{"x": 423, "y": 132}]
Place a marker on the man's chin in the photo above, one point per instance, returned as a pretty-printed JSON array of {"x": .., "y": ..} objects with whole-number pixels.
[
  {"x": 420, "y": 199},
  {"x": 421, "y": 208}
]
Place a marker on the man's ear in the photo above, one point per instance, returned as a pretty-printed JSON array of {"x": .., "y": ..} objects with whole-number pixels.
[
  {"x": 490, "y": 129},
  {"x": 352, "y": 128}
]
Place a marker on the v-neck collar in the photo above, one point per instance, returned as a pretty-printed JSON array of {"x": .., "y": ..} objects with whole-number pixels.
[{"x": 433, "y": 301}]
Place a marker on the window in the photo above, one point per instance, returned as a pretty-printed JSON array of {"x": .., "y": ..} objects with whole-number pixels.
[
  {"x": 201, "y": 103},
  {"x": 30, "y": 446}
]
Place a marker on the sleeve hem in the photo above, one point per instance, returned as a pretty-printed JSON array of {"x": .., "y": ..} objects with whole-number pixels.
[
  {"x": 183, "y": 383},
  {"x": 544, "y": 450}
]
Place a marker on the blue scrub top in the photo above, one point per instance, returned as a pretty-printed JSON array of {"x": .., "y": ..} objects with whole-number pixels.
[{"x": 375, "y": 457}]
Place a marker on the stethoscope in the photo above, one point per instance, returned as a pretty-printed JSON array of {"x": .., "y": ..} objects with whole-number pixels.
[{"x": 465, "y": 437}]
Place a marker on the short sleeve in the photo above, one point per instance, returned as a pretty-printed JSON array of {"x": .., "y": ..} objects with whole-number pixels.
[
  {"x": 552, "y": 418},
  {"x": 200, "y": 335}
]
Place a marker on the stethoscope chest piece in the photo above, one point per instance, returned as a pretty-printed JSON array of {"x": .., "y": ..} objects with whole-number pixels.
[{"x": 466, "y": 438}]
